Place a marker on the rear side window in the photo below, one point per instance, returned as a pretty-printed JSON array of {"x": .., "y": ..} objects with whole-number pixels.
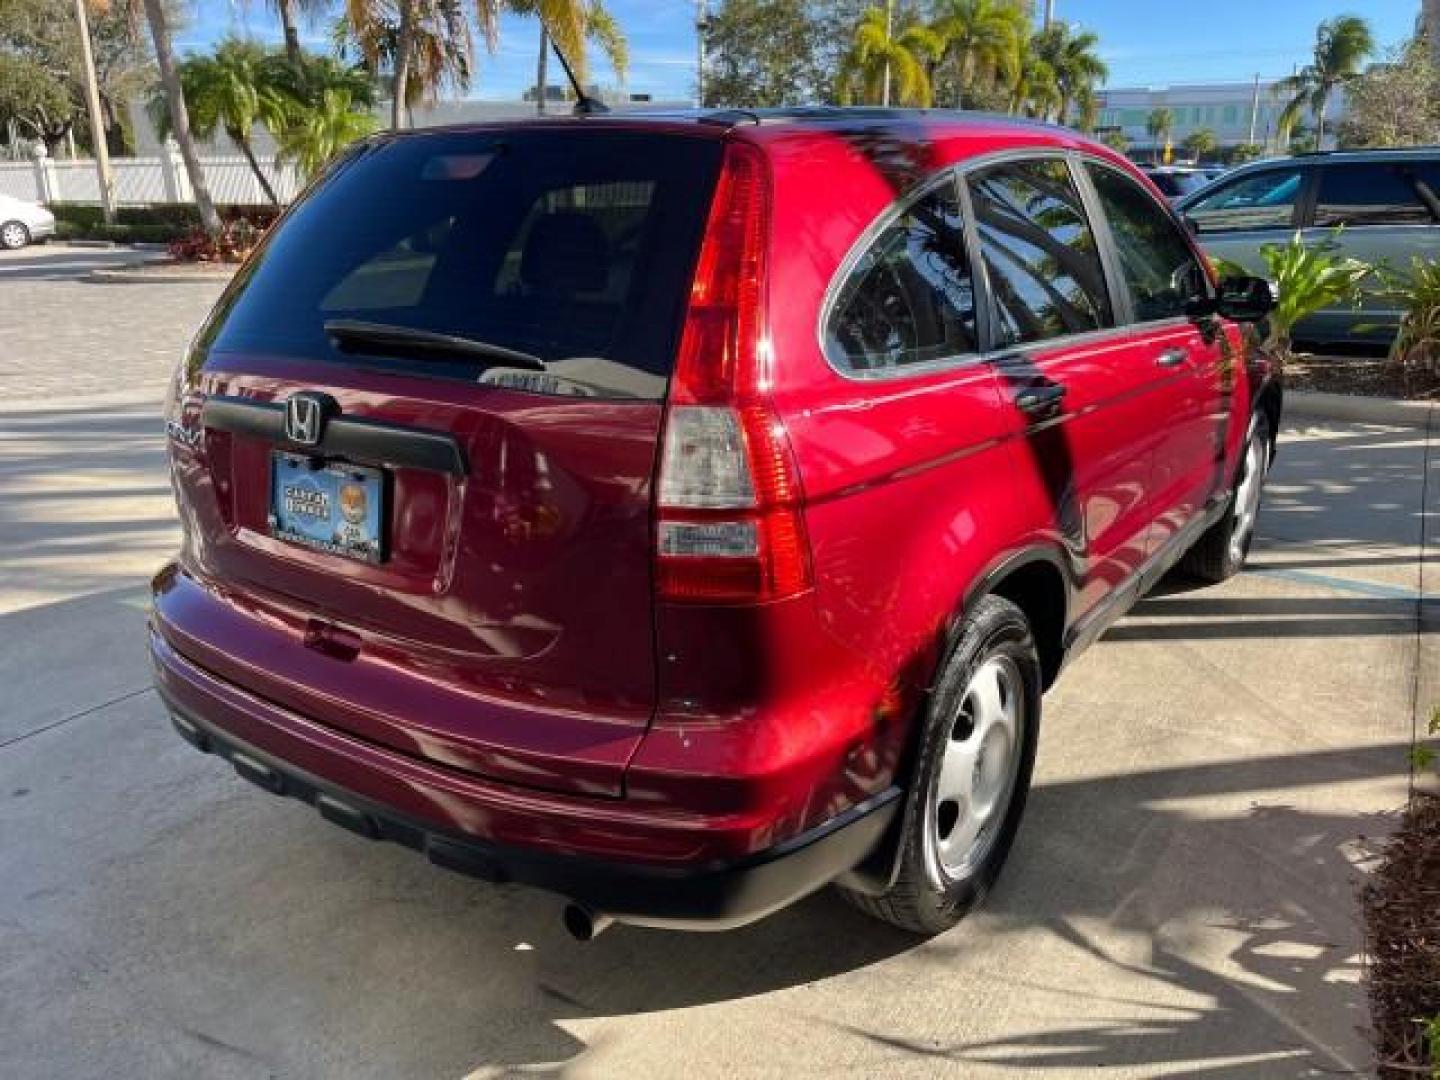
[
  {"x": 909, "y": 299},
  {"x": 571, "y": 246},
  {"x": 1261, "y": 200},
  {"x": 1379, "y": 193},
  {"x": 1043, "y": 263},
  {"x": 1156, "y": 261}
]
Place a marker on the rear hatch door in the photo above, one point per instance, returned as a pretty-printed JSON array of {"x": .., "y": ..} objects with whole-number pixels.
[{"x": 481, "y": 326}]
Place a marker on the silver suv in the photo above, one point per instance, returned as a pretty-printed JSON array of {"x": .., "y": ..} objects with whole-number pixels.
[{"x": 1387, "y": 200}]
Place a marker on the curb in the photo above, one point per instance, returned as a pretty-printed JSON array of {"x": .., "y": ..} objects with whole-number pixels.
[
  {"x": 136, "y": 274},
  {"x": 1361, "y": 410}
]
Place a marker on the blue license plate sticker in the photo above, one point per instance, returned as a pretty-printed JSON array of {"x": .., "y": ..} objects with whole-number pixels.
[{"x": 330, "y": 506}]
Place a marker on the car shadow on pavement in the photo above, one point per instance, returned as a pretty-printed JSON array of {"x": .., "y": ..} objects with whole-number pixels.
[{"x": 290, "y": 933}]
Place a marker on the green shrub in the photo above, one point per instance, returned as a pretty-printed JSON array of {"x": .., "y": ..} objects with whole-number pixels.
[{"x": 160, "y": 223}]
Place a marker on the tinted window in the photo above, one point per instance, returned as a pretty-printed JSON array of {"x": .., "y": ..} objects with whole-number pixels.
[
  {"x": 565, "y": 245},
  {"x": 1176, "y": 184},
  {"x": 1382, "y": 193},
  {"x": 1261, "y": 200},
  {"x": 1039, "y": 251},
  {"x": 1159, "y": 268},
  {"x": 909, "y": 299}
]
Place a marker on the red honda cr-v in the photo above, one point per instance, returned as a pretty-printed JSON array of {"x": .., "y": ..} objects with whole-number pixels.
[{"x": 682, "y": 513}]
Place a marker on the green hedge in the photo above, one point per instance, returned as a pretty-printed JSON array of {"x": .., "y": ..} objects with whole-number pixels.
[{"x": 155, "y": 224}]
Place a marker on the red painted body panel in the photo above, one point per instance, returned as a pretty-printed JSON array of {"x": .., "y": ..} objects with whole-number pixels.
[{"x": 512, "y": 676}]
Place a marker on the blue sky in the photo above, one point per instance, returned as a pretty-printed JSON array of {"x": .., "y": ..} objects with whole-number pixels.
[{"x": 1145, "y": 42}]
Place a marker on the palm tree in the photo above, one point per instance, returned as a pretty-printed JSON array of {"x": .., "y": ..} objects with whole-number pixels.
[
  {"x": 317, "y": 133},
  {"x": 879, "y": 55},
  {"x": 1159, "y": 124},
  {"x": 573, "y": 23},
  {"x": 1200, "y": 142},
  {"x": 426, "y": 44},
  {"x": 1342, "y": 45},
  {"x": 156, "y": 17},
  {"x": 982, "y": 38},
  {"x": 1035, "y": 90},
  {"x": 229, "y": 91},
  {"x": 1075, "y": 59}
]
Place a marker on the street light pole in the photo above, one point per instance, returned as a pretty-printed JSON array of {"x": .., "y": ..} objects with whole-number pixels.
[
  {"x": 1049, "y": 13},
  {"x": 97, "y": 125},
  {"x": 700, "y": 15}
]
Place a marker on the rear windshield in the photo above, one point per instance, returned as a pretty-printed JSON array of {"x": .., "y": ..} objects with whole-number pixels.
[{"x": 575, "y": 247}]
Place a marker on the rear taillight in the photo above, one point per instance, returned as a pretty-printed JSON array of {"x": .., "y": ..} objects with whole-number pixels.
[{"x": 729, "y": 510}]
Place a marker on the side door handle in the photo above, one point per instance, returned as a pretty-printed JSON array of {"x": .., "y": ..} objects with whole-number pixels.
[
  {"x": 1172, "y": 358},
  {"x": 1040, "y": 400}
]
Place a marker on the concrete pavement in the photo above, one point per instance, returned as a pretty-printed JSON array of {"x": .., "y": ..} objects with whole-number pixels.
[{"x": 1180, "y": 901}]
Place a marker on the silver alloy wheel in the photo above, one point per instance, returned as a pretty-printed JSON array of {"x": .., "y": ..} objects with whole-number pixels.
[
  {"x": 1247, "y": 495},
  {"x": 13, "y": 235},
  {"x": 976, "y": 778}
]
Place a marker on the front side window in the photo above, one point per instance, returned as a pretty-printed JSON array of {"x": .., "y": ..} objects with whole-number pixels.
[
  {"x": 909, "y": 299},
  {"x": 1040, "y": 253},
  {"x": 1262, "y": 200},
  {"x": 1157, "y": 263},
  {"x": 1382, "y": 193}
]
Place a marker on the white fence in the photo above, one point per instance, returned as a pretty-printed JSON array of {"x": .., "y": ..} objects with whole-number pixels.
[{"x": 143, "y": 180}]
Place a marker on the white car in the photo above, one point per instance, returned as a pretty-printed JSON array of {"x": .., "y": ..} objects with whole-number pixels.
[{"x": 23, "y": 223}]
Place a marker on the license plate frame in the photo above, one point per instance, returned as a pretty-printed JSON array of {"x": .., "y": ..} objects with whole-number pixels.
[{"x": 314, "y": 504}]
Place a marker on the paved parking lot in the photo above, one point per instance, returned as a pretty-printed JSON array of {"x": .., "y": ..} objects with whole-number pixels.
[{"x": 1180, "y": 901}]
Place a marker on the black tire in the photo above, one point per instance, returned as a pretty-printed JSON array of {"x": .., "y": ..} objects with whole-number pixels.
[
  {"x": 1215, "y": 557},
  {"x": 925, "y": 898},
  {"x": 13, "y": 235}
]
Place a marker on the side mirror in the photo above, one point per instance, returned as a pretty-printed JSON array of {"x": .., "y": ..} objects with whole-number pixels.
[{"x": 1245, "y": 299}]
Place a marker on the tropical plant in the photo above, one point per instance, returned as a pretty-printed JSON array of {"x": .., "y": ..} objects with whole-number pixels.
[
  {"x": 1307, "y": 277},
  {"x": 1417, "y": 344},
  {"x": 230, "y": 90},
  {"x": 1244, "y": 152},
  {"x": 1075, "y": 59},
  {"x": 316, "y": 134},
  {"x": 1035, "y": 91},
  {"x": 425, "y": 45},
  {"x": 157, "y": 16},
  {"x": 1342, "y": 45},
  {"x": 1159, "y": 124},
  {"x": 883, "y": 57},
  {"x": 1200, "y": 142},
  {"x": 981, "y": 42},
  {"x": 572, "y": 24}
]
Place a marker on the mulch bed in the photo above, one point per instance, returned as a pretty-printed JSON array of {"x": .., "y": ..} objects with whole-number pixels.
[
  {"x": 1366, "y": 376},
  {"x": 1402, "y": 943}
]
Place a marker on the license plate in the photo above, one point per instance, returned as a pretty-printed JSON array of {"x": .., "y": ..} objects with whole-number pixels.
[{"x": 329, "y": 506}]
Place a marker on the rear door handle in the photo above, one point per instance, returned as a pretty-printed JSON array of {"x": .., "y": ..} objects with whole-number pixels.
[
  {"x": 1172, "y": 358},
  {"x": 1035, "y": 400}
]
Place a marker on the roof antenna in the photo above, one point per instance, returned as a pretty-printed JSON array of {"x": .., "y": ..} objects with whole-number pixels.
[{"x": 585, "y": 105}]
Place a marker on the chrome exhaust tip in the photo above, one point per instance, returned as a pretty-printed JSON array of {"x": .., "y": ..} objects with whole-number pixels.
[{"x": 584, "y": 924}]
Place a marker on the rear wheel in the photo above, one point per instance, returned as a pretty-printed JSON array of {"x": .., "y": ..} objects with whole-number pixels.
[
  {"x": 1221, "y": 552},
  {"x": 972, "y": 776},
  {"x": 14, "y": 235}
]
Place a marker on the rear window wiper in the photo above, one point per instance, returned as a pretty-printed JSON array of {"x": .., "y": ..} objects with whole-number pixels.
[{"x": 353, "y": 335}]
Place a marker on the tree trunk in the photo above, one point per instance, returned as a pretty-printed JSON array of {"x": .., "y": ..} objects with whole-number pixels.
[
  {"x": 1320, "y": 126},
  {"x": 179, "y": 117},
  {"x": 249, "y": 152},
  {"x": 292, "y": 33},
  {"x": 404, "y": 46},
  {"x": 541, "y": 62},
  {"x": 1430, "y": 24}
]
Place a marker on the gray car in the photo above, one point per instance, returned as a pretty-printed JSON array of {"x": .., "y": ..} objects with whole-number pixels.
[{"x": 1387, "y": 200}]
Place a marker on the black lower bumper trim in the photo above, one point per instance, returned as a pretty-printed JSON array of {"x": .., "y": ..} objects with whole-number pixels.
[{"x": 709, "y": 897}]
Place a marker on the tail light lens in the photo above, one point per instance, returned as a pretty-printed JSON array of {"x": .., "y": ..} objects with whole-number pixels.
[{"x": 729, "y": 524}]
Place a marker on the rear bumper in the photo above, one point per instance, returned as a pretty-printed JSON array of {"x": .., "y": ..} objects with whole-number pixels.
[{"x": 288, "y": 756}]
